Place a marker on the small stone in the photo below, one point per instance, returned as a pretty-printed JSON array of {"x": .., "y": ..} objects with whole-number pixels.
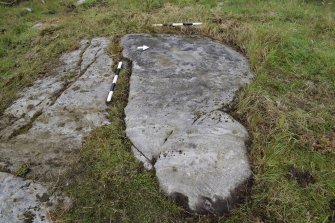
[
  {"x": 80, "y": 2},
  {"x": 38, "y": 26}
]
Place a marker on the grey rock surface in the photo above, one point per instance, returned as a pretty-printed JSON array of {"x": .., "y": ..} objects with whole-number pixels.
[
  {"x": 44, "y": 130},
  {"x": 179, "y": 91},
  {"x": 58, "y": 111},
  {"x": 24, "y": 200}
]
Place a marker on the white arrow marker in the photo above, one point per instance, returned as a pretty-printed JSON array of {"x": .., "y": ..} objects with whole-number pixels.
[{"x": 144, "y": 47}]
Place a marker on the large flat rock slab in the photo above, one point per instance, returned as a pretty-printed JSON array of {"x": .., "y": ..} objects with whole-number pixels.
[
  {"x": 45, "y": 128},
  {"x": 176, "y": 117}
]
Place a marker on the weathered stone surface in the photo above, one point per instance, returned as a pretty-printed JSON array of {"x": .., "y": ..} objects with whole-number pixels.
[
  {"x": 179, "y": 91},
  {"x": 25, "y": 201},
  {"x": 45, "y": 127},
  {"x": 58, "y": 112}
]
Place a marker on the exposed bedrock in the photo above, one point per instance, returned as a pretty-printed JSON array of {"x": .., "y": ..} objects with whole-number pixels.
[
  {"x": 42, "y": 132},
  {"x": 24, "y": 200},
  {"x": 45, "y": 127},
  {"x": 180, "y": 89}
]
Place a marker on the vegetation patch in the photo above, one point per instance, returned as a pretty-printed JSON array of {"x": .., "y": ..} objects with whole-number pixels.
[
  {"x": 302, "y": 177},
  {"x": 89, "y": 3},
  {"x": 28, "y": 217},
  {"x": 23, "y": 170}
]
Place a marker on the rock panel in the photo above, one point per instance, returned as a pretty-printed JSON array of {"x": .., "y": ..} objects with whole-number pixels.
[
  {"x": 58, "y": 112},
  {"x": 180, "y": 89},
  {"x": 44, "y": 130}
]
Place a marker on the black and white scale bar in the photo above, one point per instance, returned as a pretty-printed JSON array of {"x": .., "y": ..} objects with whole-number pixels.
[
  {"x": 180, "y": 24},
  {"x": 116, "y": 75}
]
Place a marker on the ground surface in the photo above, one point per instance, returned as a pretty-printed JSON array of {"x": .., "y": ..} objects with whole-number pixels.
[{"x": 288, "y": 109}]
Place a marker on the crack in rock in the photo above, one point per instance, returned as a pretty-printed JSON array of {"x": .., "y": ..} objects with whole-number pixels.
[
  {"x": 82, "y": 71},
  {"x": 46, "y": 126},
  {"x": 44, "y": 93},
  {"x": 37, "y": 98},
  {"x": 180, "y": 85}
]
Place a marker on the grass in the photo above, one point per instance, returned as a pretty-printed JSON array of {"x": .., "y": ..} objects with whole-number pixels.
[
  {"x": 23, "y": 170},
  {"x": 288, "y": 109}
]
